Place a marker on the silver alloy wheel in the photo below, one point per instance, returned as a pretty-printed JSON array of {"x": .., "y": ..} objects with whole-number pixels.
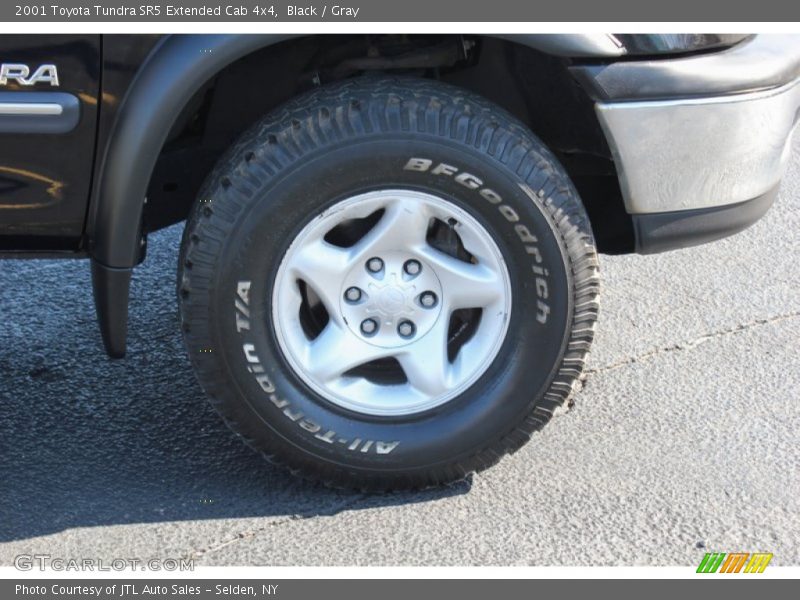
[{"x": 390, "y": 296}]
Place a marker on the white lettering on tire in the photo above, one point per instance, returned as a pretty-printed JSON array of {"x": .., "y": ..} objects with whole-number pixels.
[
  {"x": 472, "y": 182},
  {"x": 256, "y": 368}
]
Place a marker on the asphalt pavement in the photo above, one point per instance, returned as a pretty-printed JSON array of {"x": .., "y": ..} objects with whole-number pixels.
[{"x": 684, "y": 441}]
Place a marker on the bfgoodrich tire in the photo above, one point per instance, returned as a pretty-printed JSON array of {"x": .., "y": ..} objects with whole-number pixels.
[{"x": 427, "y": 211}]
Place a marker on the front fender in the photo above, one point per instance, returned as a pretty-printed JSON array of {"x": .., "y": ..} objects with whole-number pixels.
[{"x": 173, "y": 72}]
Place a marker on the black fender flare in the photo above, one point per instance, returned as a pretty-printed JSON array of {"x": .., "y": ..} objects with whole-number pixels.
[{"x": 175, "y": 70}]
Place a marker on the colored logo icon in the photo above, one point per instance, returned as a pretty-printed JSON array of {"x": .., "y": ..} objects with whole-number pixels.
[{"x": 738, "y": 562}]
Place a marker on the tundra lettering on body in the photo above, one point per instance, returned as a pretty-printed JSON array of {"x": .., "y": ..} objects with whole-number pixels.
[{"x": 19, "y": 73}]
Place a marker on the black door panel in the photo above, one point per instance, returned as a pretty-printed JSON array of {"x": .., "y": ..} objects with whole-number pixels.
[{"x": 45, "y": 178}]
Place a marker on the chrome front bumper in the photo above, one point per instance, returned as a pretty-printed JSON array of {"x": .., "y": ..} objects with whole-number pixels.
[
  {"x": 700, "y": 152},
  {"x": 703, "y": 151}
]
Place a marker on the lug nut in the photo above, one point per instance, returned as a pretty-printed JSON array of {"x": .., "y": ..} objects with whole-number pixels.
[
  {"x": 375, "y": 265},
  {"x": 369, "y": 326},
  {"x": 427, "y": 299},
  {"x": 406, "y": 329},
  {"x": 412, "y": 267},
  {"x": 352, "y": 294}
]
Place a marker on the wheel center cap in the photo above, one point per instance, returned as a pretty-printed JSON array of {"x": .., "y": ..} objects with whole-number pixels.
[
  {"x": 391, "y": 300},
  {"x": 388, "y": 310}
]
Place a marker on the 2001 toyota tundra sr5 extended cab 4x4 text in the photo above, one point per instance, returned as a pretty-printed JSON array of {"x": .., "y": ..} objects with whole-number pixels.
[{"x": 389, "y": 275}]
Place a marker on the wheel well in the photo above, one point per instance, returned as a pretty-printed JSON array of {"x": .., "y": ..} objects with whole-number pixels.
[{"x": 533, "y": 86}]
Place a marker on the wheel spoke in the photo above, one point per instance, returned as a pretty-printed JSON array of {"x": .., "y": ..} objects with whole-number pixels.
[
  {"x": 404, "y": 224},
  {"x": 425, "y": 362},
  {"x": 465, "y": 285},
  {"x": 322, "y": 266},
  {"x": 335, "y": 351}
]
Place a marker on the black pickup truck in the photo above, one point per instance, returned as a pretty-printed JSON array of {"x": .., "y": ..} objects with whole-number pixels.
[{"x": 389, "y": 276}]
